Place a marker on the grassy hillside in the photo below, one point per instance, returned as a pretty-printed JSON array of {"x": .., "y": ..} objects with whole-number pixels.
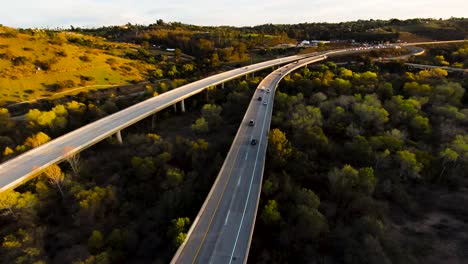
[{"x": 38, "y": 63}]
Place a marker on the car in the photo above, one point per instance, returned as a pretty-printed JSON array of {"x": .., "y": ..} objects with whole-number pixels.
[
  {"x": 268, "y": 90},
  {"x": 251, "y": 122},
  {"x": 259, "y": 98},
  {"x": 253, "y": 142},
  {"x": 265, "y": 102},
  {"x": 246, "y": 67},
  {"x": 296, "y": 62}
]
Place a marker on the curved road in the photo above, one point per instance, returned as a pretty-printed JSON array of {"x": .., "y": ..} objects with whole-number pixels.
[
  {"x": 19, "y": 169},
  {"x": 222, "y": 231},
  {"x": 223, "y": 228}
]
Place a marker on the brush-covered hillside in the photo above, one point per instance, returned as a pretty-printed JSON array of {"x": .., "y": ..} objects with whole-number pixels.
[{"x": 41, "y": 63}]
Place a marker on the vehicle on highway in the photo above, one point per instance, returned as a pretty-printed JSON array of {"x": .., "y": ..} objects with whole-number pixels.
[
  {"x": 268, "y": 90},
  {"x": 251, "y": 122},
  {"x": 265, "y": 102},
  {"x": 262, "y": 88},
  {"x": 259, "y": 98},
  {"x": 253, "y": 142}
]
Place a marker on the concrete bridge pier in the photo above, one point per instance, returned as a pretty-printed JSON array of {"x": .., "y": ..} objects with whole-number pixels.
[
  {"x": 119, "y": 137},
  {"x": 222, "y": 85},
  {"x": 182, "y": 106},
  {"x": 175, "y": 107}
]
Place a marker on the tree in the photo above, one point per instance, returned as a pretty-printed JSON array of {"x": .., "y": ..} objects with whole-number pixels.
[
  {"x": 8, "y": 151},
  {"x": 450, "y": 92},
  {"x": 345, "y": 73},
  {"x": 347, "y": 183},
  {"x": 416, "y": 89},
  {"x": 214, "y": 60},
  {"x": 341, "y": 86},
  {"x": 6, "y": 122},
  {"x": 37, "y": 140},
  {"x": 188, "y": 68},
  {"x": 212, "y": 114},
  {"x": 8, "y": 200},
  {"x": 144, "y": 167},
  {"x": 448, "y": 156},
  {"x": 73, "y": 160},
  {"x": 178, "y": 230},
  {"x": 440, "y": 60},
  {"x": 408, "y": 164},
  {"x": 270, "y": 214},
  {"x": 305, "y": 117},
  {"x": 370, "y": 112},
  {"x": 177, "y": 54},
  {"x": 280, "y": 149},
  {"x": 174, "y": 177},
  {"x": 95, "y": 242},
  {"x": 200, "y": 126},
  {"x": 94, "y": 202},
  {"x": 55, "y": 176},
  {"x": 420, "y": 125}
]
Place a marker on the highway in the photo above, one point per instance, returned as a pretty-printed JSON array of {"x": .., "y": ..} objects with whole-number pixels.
[
  {"x": 424, "y": 66},
  {"x": 23, "y": 167},
  {"x": 222, "y": 231}
]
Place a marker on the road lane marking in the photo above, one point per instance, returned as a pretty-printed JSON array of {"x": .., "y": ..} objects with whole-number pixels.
[
  {"x": 246, "y": 155},
  {"x": 250, "y": 187},
  {"x": 227, "y": 217},
  {"x": 217, "y": 206},
  {"x": 238, "y": 181}
]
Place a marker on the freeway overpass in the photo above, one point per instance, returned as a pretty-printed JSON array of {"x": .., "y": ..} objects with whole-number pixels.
[
  {"x": 19, "y": 169},
  {"x": 429, "y": 67},
  {"x": 222, "y": 230}
]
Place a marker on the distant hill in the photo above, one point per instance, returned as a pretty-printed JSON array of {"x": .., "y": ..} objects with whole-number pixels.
[{"x": 37, "y": 63}]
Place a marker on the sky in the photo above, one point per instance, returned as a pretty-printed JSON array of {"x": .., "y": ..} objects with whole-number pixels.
[{"x": 96, "y": 13}]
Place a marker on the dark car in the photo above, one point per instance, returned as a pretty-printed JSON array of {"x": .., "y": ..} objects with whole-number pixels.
[
  {"x": 253, "y": 142},
  {"x": 259, "y": 98},
  {"x": 251, "y": 122}
]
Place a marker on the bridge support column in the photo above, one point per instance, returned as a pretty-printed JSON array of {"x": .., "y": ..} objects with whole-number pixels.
[
  {"x": 222, "y": 85},
  {"x": 119, "y": 137},
  {"x": 175, "y": 107},
  {"x": 182, "y": 106}
]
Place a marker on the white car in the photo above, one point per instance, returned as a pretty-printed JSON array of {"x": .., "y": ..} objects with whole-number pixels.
[
  {"x": 268, "y": 90},
  {"x": 265, "y": 102}
]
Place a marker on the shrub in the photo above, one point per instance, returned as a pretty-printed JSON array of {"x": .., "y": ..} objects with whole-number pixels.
[
  {"x": 85, "y": 58},
  {"x": 17, "y": 61}
]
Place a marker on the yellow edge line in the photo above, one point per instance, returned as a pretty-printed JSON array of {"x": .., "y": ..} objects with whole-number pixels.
[{"x": 216, "y": 209}]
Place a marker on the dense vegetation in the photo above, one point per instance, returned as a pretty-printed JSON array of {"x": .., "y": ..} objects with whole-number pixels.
[
  {"x": 117, "y": 203},
  {"x": 366, "y": 164}
]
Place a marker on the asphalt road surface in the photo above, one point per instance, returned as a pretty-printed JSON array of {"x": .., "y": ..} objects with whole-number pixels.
[
  {"x": 20, "y": 169},
  {"x": 222, "y": 231}
]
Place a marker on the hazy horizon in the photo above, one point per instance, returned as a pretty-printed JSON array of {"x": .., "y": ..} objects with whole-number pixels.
[{"x": 96, "y": 13}]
